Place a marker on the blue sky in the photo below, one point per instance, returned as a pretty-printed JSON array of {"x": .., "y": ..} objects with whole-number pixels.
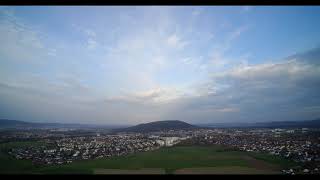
[{"x": 126, "y": 65}]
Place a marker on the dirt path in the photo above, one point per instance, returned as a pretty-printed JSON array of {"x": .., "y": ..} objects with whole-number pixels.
[
  {"x": 224, "y": 170},
  {"x": 259, "y": 164},
  {"x": 130, "y": 171}
]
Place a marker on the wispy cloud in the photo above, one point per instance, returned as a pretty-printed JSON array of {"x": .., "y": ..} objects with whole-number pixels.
[
  {"x": 52, "y": 52},
  {"x": 91, "y": 43},
  {"x": 237, "y": 32},
  {"x": 19, "y": 42},
  {"x": 196, "y": 12},
  {"x": 90, "y": 33},
  {"x": 176, "y": 42}
]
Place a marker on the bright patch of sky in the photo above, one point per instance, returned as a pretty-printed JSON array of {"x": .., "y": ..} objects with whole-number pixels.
[{"x": 124, "y": 65}]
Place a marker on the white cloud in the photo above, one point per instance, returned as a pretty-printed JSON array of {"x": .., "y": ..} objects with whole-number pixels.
[
  {"x": 237, "y": 32},
  {"x": 227, "y": 110},
  {"x": 52, "y": 52},
  {"x": 91, "y": 44},
  {"x": 219, "y": 59},
  {"x": 203, "y": 67},
  {"x": 91, "y": 41},
  {"x": 289, "y": 69},
  {"x": 187, "y": 61},
  {"x": 152, "y": 96},
  {"x": 90, "y": 33},
  {"x": 196, "y": 12},
  {"x": 211, "y": 36},
  {"x": 175, "y": 42},
  {"x": 159, "y": 61}
]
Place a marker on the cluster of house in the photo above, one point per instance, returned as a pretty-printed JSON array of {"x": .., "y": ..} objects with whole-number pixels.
[
  {"x": 300, "y": 145},
  {"x": 66, "y": 150}
]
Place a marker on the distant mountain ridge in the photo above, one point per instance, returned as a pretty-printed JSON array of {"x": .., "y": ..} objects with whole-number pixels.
[
  {"x": 157, "y": 126},
  {"x": 15, "y": 124},
  {"x": 160, "y": 125},
  {"x": 280, "y": 124},
  {"x": 292, "y": 124},
  {"x": 4, "y": 123}
]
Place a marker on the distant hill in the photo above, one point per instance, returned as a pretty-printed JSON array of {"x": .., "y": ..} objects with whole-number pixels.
[
  {"x": 291, "y": 124},
  {"x": 14, "y": 124},
  {"x": 157, "y": 126},
  {"x": 279, "y": 124},
  {"x": 4, "y": 123}
]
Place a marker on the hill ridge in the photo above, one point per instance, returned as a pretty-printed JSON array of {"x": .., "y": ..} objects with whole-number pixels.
[{"x": 157, "y": 126}]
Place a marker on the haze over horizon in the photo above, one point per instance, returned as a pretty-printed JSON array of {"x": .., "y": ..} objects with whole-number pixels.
[{"x": 131, "y": 65}]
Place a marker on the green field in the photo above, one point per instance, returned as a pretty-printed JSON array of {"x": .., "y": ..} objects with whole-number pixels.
[
  {"x": 11, "y": 165},
  {"x": 185, "y": 159}
]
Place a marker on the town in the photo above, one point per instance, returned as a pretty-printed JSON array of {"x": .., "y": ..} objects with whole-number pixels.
[{"x": 301, "y": 145}]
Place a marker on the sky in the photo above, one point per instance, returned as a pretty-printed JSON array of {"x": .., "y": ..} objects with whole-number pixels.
[{"x": 128, "y": 65}]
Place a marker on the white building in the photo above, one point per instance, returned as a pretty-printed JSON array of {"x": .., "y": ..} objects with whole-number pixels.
[
  {"x": 160, "y": 142},
  {"x": 170, "y": 141}
]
